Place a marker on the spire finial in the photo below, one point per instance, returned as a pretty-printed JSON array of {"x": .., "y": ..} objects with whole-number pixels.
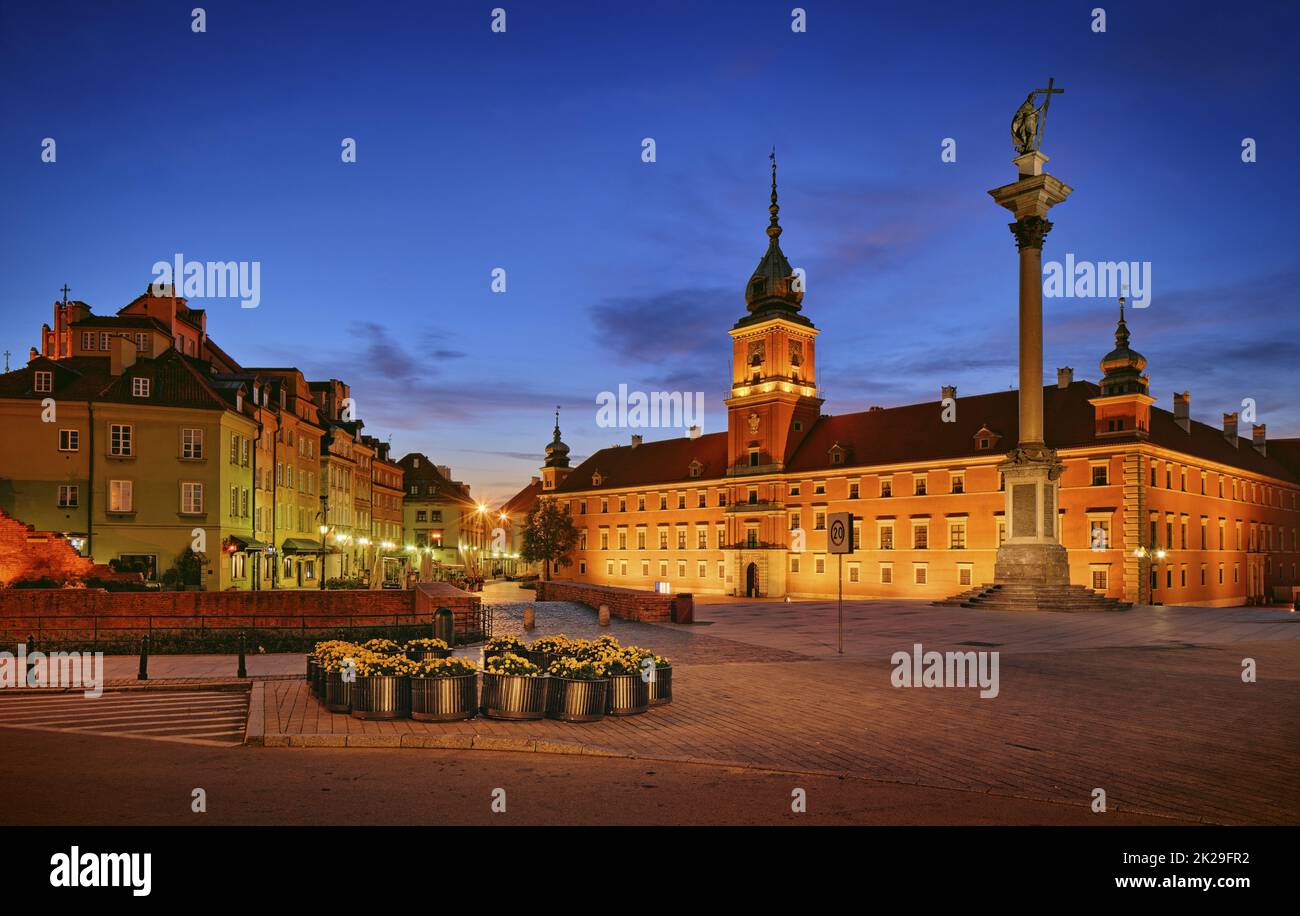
[
  {"x": 774, "y": 227},
  {"x": 1121, "y": 329},
  {"x": 557, "y": 421},
  {"x": 65, "y": 294}
]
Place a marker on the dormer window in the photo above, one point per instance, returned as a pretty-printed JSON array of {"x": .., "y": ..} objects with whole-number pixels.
[
  {"x": 44, "y": 382},
  {"x": 696, "y": 468},
  {"x": 984, "y": 442},
  {"x": 139, "y": 387},
  {"x": 597, "y": 479}
]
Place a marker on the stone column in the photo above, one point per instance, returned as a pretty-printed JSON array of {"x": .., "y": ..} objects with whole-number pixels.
[{"x": 1032, "y": 552}]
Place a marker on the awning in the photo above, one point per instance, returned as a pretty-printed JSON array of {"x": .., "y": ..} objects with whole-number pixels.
[
  {"x": 248, "y": 543},
  {"x": 302, "y": 545}
]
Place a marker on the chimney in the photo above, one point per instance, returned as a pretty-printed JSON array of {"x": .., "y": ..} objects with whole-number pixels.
[
  {"x": 1183, "y": 410},
  {"x": 121, "y": 355},
  {"x": 32, "y": 354},
  {"x": 1230, "y": 428},
  {"x": 535, "y": 481},
  {"x": 693, "y": 432},
  {"x": 636, "y": 440},
  {"x": 947, "y": 391},
  {"x": 1064, "y": 377},
  {"x": 1257, "y": 438},
  {"x": 874, "y": 407}
]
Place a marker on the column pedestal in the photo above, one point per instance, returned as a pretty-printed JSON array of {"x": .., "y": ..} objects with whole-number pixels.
[{"x": 1032, "y": 552}]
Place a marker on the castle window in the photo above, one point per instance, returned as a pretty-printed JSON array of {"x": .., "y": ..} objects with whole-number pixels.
[
  {"x": 984, "y": 442},
  {"x": 1100, "y": 475},
  {"x": 753, "y": 457}
]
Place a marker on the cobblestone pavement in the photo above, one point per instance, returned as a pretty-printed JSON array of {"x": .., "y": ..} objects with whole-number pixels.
[
  {"x": 1148, "y": 705},
  {"x": 1169, "y": 732}
]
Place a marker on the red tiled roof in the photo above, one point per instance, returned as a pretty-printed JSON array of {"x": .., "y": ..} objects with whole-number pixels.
[
  {"x": 522, "y": 501},
  {"x": 175, "y": 382},
  {"x": 665, "y": 461},
  {"x": 917, "y": 432}
]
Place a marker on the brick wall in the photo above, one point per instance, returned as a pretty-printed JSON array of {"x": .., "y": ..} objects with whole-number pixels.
[
  {"x": 26, "y": 553},
  {"x": 626, "y": 603},
  {"x": 82, "y": 612}
]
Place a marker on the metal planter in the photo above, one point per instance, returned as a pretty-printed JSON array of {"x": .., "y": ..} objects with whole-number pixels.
[
  {"x": 381, "y": 696},
  {"x": 311, "y": 673},
  {"x": 628, "y": 695},
  {"x": 318, "y": 680},
  {"x": 513, "y": 696},
  {"x": 661, "y": 688},
  {"x": 444, "y": 699},
  {"x": 338, "y": 692},
  {"x": 575, "y": 700}
]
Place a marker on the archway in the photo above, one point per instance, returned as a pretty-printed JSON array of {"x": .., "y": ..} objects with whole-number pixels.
[{"x": 751, "y": 580}]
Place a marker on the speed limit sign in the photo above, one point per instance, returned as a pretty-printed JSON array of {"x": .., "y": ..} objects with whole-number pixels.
[{"x": 839, "y": 538}]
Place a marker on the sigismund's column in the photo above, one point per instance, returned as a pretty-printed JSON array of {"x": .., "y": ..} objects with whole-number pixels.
[{"x": 1032, "y": 552}]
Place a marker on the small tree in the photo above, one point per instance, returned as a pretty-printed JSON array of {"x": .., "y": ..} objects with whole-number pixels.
[
  {"x": 549, "y": 536},
  {"x": 185, "y": 571}
]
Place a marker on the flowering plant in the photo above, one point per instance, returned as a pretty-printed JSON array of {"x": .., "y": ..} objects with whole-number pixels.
[
  {"x": 504, "y": 644},
  {"x": 424, "y": 643},
  {"x": 662, "y": 662},
  {"x": 551, "y": 645},
  {"x": 373, "y": 664},
  {"x": 382, "y": 646},
  {"x": 510, "y": 663},
  {"x": 443, "y": 667},
  {"x": 574, "y": 670},
  {"x": 620, "y": 661},
  {"x": 330, "y": 655}
]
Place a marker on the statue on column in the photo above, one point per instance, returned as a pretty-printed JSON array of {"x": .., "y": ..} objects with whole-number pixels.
[{"x": 1028, "y": 121}]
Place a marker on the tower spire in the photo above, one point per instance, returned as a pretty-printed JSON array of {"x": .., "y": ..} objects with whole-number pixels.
[{"x": 774, "y": 226}]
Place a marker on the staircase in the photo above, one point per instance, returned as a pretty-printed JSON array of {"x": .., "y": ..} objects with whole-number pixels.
[{"x": 1024, "y": 596}]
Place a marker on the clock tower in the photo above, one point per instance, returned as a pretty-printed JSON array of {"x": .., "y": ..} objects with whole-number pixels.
[{"x": 773, "y": 401}]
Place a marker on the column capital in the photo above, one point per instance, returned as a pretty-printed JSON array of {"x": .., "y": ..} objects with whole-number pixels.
[{"x": 1030, "y": 231}]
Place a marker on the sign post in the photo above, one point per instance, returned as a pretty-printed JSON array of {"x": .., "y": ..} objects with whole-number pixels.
[{"x": 839, "y": 541}]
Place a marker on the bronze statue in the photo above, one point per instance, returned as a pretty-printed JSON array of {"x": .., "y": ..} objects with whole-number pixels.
[{"x": 1027, "y": 123}]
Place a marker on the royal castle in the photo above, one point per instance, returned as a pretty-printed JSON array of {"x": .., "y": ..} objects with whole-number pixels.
[{"x": 1152, "y": 506}]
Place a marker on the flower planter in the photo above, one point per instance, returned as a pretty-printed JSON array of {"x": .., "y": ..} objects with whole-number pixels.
[
  {"x": 381, "y": 696},
  {"x": 424, "y": 655},
  {"x": 628, "y": 695},
  {"x": 513, "y": 696},
  {"x": 311, "y": 673},
  {"x": 444, "y": 699},
  {"x": 576, "y": 701},
  {"x": 661, "y": 688},
  {"x": 338, "y": 692},
  {"x": 318, "y": 680}
]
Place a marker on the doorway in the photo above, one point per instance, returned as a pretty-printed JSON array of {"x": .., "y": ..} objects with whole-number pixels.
[{"x": 751, "y": 580}]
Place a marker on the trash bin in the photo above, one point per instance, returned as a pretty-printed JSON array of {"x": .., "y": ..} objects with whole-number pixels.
[{"x": 683, "y": 609}]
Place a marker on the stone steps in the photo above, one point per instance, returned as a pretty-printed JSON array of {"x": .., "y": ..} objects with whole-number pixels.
[{"x": 1025, "y": 596}]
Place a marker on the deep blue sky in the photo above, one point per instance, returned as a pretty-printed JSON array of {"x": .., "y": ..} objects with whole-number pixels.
[{"x": 479, "y": 150}]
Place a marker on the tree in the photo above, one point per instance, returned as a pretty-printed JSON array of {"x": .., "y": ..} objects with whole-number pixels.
[
  {"x": 186, "y": 570},
  {"x": 549, "y": 536}
]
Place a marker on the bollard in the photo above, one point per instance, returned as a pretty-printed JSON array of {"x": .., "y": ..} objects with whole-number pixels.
[
  {"x": 243, "y": 669},
  {"x": 444, "y": 626},
  {"x": 29, "y": 674},
  {"x": 603, "y": 615},
  {"x": 530, "y": 618},
  {"x": 144, "y": 659}
]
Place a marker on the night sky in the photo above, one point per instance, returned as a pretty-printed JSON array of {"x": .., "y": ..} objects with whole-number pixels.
[{"x": 523, "y": 151}]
